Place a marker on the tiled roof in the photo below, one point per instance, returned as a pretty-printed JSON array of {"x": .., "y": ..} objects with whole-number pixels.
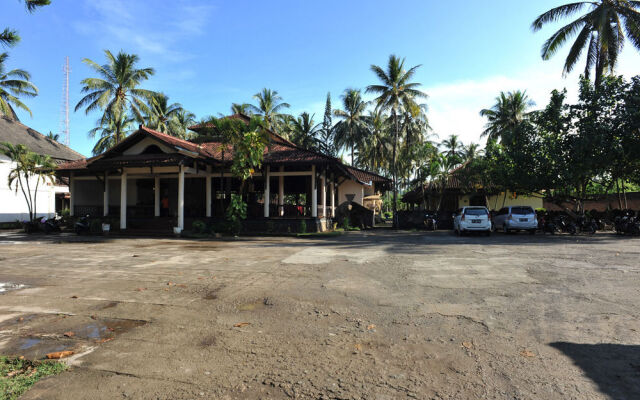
[
  {"x": 366, "y": 176},
  {"x": 138, "y": 160}
]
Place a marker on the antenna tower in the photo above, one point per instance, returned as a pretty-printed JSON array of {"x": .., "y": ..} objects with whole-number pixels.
[{"x": 64, "y": 110}]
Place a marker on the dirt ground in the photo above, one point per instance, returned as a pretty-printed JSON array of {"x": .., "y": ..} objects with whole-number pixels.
[{"x": 366, "y": 315}]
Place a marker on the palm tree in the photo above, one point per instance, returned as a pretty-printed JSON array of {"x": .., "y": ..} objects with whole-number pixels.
[
  {"x": 599, "y": 31},
  {"x": 184, "y": 120},
  {"x": 374, "y": 152},
  {"x": 117, "y": 91},
  {"x": 110, "y": 131},
  {"x": 244, "y": 109},
  {"x": 14, "y": 83},
  {"x": 509, "y": 111},
  {"x": 269, "y": 106},
  {"x": 453, "y": 147},
  {"x": 471, "y": 152},
  {"x": 9, "y": 37},
  {"x": 53, "y": 136},
  {"x": 350, "y": 130},
  {"x": 305, "y": 131},
  {"x": 162, "y": 116},
  {"x": 397, "y": 93}
]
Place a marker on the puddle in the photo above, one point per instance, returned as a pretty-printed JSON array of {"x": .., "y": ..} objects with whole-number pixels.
[
  {"x": 7, "y": 286},
  {"x": 107, "y": 328},
  {"x": 37, "y": 348},
  {"x": 29, "y": 343}
]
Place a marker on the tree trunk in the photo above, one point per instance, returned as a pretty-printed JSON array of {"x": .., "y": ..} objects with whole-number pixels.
[
  {"x": 394, "y": 173},
  {"x": 618, "y": 192}
]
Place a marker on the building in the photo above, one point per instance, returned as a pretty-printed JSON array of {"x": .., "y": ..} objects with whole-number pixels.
[
  {"x": 51, "y": 196},
  {"x": 152, "y": 180}
]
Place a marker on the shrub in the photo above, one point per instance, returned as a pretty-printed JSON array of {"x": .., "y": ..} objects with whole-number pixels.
[
  {"x": 198, "y": 226},
  {"x": 236, "y": 212},
  {"x": 346, "y": 223},
  {"x": 95, "y": 225},
  {"x": 270, "y": 226},
  {"x": 303, "y": 226}
]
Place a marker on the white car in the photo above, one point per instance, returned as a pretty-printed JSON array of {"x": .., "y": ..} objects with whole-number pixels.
[
  {"x": 516, "y": 218},
  {"x": 472, "y": 219}
]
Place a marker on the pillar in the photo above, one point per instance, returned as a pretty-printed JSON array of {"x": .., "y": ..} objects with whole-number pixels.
[
  {"x": 208, "y": 189},
  {"x": 267, "y": 192},
  {"x": 156, "y": 194},
  {"x": 105, "y": 195},
  {"x": 281, "y": 193},
  {"x": 181, "y": 198},
  {"x": 324, "y": 194},
  {"x": 332, "y": 193},
  {"x": 123, "y": 200},
  {"x": 72, "y": 195},
  {"x": 314, "y": 193}
]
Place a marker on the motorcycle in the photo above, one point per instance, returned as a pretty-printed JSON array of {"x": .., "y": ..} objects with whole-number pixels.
[
  {"x": 587, "y": 225},
  {"x": 430, "y": 221},
  {"x": 82, "y": 225},
  {"x": 563, "y": 224},
  {"x": 627, "y": 224},
  {"x": 49, "y": 225},
  {"x": 546, "y": 225}
]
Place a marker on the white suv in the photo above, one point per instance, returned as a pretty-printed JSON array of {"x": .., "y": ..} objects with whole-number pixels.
[
  {"x": 472, "y": 219},
  {"x": 516, "y": 218}
]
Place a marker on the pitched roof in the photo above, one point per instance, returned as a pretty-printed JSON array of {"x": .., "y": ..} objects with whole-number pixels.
[
  {"x": 15, "y": 132},
  {"x": 365, "y": 176}
]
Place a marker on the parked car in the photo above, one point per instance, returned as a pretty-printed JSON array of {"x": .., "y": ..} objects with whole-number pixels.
[
  {"x": 472, "y": 219},
  {"x": 516, "y": 218}
]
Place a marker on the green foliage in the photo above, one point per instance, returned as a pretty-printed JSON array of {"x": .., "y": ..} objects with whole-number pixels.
[
  {"x": 9, "y": 37},
  {"x": 198, "y": 226},
  {"x": 236, "y": 213},
  {"x": 346, "y": 223},
  {"x": 14, "y": 84},
  {"x": 95, "y": 225},
  {"x": 303, "y": 226},
  {"x": 24, "y": 374}
]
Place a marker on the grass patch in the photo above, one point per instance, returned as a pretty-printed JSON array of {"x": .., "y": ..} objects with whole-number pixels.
[{"x": 17, "y": 376}]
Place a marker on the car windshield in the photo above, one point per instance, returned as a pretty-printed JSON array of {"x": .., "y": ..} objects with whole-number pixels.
[
  {"x": 521, "y": 210},
  {"x": 475, "y": 211}
]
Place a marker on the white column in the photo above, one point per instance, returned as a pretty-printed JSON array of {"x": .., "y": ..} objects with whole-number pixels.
[
  {"x": 208, "y": 189},
  {"x": 123, "y": 200},
  {"x": 333, "y": 197},
  {"x": 72, "y": 195},
  {"x": 105, "y": 195},
  {"x": 267, "y": 191},
  {"x": 156, "y": 194},
  {"x": 281, "y": 193},
  {"x": 314, "y": 193},
  {"x": 181, "y": 198},
  {"x": 324, "y": 194}
]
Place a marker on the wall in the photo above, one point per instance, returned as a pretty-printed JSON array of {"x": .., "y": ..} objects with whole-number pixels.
[
  {"x": 143, "y": 144},
  {"x": 13, "y": 206},
  {"x": 350, "y": 187},
  {"x": 496, "y": 202}
]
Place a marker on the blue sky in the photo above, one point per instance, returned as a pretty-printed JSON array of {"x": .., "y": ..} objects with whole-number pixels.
[{"x": 208, "y": 54}]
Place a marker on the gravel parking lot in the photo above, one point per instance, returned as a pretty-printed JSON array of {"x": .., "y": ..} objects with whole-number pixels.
[{"x": 365, "y": 315}]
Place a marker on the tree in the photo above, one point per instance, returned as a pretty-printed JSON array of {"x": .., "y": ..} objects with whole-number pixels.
[
  {"x": 9, "y": 37},
  {"x": 374, "y": 152},
  {"x": 471, "y": 152},
  {"x": 269, "y": 106},
  {"x": 244, "y": 109},
  {"x": 13, "y": 84},
  {"x": 116, "y": 91},
  {"x": 54, "y": 136},
  {"x": 453, "y": 148},
  {"x": 397, "y": 93},
  {"x": 599, "y": 31},
  {"x": 28, "y": 166},
  {"x": 185, "y": 120},
  {"x": 304, "y": 132},
  {"x": 162, "y": 116},
  {"x": 111, "y": 130},
  {"x": 509, "y": 110},
  {"x": 350, "y": 130},
  {"x": 326, "y": 135}
]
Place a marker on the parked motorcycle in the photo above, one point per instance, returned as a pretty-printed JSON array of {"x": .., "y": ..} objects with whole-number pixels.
[
  {"x": 431, "y": 221},
  {"x": 82, "y": 225},
  {"x": 564, "y": 224},
  {"x": 49, "y": 225},
  {"x": 627, "y": 224},
  {"x": 546, "y": 225},
  {"x": 588, "y": 225}
]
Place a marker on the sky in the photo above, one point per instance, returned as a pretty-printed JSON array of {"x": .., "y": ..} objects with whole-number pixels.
[{"x": 208, "y": 54}]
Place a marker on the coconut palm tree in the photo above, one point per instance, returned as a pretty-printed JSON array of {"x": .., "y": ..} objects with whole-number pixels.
[
  {"x": 471, "y": 152},
  {"x": 601, "y": 31},
  {"x": 453, "y": 147},
  {"x": 304, "y": 131},
  {"x": 185, "y": 119},
  {"x": 396, "y": 93},
  {"x": 349, "y": 131},
  {"x": 509, "y": 111},
  {"x": 269, "y": 106},
  {"x": 117, "y": 90},
  {"x": 110, "y": 131},
  {"x": 13, "y": 84},
  {"x": 244, "y": 109},
  {"x": 374, "y": 152},
  {"x": 162, "y": 116},
  {"x": 9, "y": 37},
  {"x": 54, "y": 136}
]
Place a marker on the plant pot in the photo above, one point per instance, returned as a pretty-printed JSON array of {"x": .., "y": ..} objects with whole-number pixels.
[
  {"x": 106, "y": 228},
  {"x": 177, "y": 230}
]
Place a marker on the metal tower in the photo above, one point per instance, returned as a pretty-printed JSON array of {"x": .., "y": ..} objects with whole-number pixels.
[{"x": 64, "y": 111}]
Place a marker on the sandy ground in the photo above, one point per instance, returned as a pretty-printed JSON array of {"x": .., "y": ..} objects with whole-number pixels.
[{"x": 368, "y": 315}]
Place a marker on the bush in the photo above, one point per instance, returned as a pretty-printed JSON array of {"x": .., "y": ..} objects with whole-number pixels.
[
  {"x": 236, "y": 213},
  {"x": 270, "y": 227},
  {"x": 95, "y": 225},
  {"x": 198, "y": 226},
  {"x": 346, "y": 223},
  {"x": 303, "y": 226}
]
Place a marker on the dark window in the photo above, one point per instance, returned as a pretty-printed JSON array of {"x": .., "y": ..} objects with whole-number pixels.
[
  {"x": 521, "y": 210},
  {"x": 475, "y": 211},
  {"x": 152, "y": 149}
]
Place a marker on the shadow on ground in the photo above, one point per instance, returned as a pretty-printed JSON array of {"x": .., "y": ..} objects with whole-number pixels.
[{"x": 615, "y": 368}]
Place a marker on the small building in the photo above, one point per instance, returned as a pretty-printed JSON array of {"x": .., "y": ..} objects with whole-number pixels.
[
  {"x": 52, "y": 197},
  {"x": 152, "y": 180}
]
